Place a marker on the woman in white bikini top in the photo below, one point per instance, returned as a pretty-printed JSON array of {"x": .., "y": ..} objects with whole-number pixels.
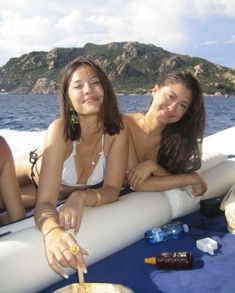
[
  {"x": 89, "y": 113},
  {"x": 69, "y": 175}
]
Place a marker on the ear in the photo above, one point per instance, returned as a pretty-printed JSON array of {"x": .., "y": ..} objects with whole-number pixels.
[{"x": 155, "y": 89}]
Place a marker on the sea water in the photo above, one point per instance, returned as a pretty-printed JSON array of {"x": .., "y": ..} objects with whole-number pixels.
[{"x": 25, "y": 118}]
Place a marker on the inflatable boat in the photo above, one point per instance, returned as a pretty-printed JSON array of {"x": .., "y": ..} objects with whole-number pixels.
[{"x": 112, "y": 227}]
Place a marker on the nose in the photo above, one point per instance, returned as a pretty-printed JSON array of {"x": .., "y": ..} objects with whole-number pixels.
[
  {"x": 87, "y": 87},
  {"x": 172, "y": 107}
]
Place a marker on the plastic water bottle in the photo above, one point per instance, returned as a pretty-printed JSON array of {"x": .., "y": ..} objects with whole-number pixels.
[{"x": 165, "y": 232}]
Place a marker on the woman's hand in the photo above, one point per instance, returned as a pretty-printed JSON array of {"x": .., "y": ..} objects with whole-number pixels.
[
  {"x": 199, "y": 186},
  {"x": 70, "y": 214},
  {"x": 62, "y": 250},
  {"x": 140, "y": 172}
]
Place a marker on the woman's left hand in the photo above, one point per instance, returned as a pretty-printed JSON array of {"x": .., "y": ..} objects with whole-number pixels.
[
  {"x": 70, "y": 214},
  {"x": 199, "y": 186},
  {"x": 140, "y": 172},
  {"x": 62, "y": 250}
]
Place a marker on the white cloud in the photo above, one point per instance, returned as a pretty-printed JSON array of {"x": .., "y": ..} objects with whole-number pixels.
[
  {"x": 232, "y": 39},
  {"x": 219, "y": 7},
  {"x": 70, "y": 21},
  {"x": 208, "y": 43},
  {"x": 158, "y": 22}
]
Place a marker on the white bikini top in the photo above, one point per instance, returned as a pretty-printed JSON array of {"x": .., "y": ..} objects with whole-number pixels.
[{"x": 69, "y": 174}]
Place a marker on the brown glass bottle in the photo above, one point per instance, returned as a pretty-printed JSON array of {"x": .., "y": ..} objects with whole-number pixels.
[{"x": 171, "y": 260}]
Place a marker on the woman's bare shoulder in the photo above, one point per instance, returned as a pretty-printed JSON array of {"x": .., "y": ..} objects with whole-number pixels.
[
  {"x": 4, "y": 147},
  {"x": 2, "y": 141},
  {"x": 55, "y": 131},
  {"x": 57, "y": 124},
  {"x": 133, "y": 117}
]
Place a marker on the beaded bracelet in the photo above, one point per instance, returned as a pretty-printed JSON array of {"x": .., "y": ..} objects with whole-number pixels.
[
  {"x": 98, "y": 195},
  {"x": 50, "y": 230}
]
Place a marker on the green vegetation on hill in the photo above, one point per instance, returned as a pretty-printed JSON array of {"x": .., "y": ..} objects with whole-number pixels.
[{"x": 133, "y": 68}]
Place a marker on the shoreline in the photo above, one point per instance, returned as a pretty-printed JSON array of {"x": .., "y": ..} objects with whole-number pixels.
[{"x": 118, "y": 94}]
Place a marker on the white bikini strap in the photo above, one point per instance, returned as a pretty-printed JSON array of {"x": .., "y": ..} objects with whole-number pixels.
[
  {"x": 102, "y": 142},
  {"x": 74, "y": 148}
]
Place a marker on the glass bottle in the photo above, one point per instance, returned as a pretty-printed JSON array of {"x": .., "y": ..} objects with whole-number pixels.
[{"x": 171, "y": 260}]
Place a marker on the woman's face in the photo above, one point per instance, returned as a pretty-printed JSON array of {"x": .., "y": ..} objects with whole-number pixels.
[
  {"x": 171, "y": 102},
  {"x": 86, "y": 91}
]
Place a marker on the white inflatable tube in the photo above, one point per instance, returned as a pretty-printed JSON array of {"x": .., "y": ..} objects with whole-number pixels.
[
  {"x": 221, "y": 142},
  {"x": 17, "y": 226},
  {"x": 104, "y": 231}
]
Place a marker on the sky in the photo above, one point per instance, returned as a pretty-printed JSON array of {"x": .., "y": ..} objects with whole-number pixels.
[{"x": 198, "y": 28}]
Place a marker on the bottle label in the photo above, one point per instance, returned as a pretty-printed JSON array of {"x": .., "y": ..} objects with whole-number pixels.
[
  {"x": 180, "y": 254},
  {"x": 175, "y": 260},
  {"x": 174, "y": 254}
]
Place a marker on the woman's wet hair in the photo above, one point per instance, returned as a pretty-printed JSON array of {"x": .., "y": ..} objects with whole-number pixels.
[
  {"x": 179, "y": 147},
  {"x": 109, "y": 115}
]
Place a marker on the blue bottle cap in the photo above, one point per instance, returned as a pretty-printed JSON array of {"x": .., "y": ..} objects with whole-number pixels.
[{"x": 185, "y": 228}]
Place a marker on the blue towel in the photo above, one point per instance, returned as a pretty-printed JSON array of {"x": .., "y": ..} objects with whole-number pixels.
[{"x": 209, "y": 273}]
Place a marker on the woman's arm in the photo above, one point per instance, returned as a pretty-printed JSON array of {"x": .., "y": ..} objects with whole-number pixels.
[
  {"x": 50, "y": 176},
  {"x": 116, "y": 165},
  {"x": 10, "y": 197},
  {"x": 141, "y": 171},
  {"x": 162, "y": 183},
  {"x": 132, "y": 154}
]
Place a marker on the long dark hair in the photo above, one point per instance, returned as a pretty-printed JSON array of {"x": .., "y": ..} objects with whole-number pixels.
[
  {"x": 108, "y": 115},
  {"x": 180, "y": 142}
]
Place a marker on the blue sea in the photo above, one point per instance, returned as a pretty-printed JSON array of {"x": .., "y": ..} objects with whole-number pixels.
[{"x": 24, "y": 118}]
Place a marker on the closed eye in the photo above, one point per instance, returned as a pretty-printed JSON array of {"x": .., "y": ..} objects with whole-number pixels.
[
  {"x": 171, "y": 98},
  {"x": 95, "y": 82},
  {"x": 184, "y": 106}
]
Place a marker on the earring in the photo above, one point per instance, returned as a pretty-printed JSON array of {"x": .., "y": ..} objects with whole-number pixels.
[{"x": 74, "y": 118}]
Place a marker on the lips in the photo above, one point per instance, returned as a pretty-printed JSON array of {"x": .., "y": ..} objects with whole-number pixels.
[
  {"x": 166, "y": 114},
  {"x": 90, "y": 100}
]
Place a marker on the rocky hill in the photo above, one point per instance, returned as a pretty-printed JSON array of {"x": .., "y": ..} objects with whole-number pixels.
[{"x": 133, "y": 68}]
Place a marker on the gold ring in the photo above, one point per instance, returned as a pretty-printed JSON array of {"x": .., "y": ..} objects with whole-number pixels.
[
  {"x": 74, "y": 249},
  {"x": 64, "y": 250}
]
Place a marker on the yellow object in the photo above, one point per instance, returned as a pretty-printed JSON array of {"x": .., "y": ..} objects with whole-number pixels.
[
  {"x": 74, "y": 249},
  {"x": 95, "y": 288},
  {"x": 228, "y": 206},
  {"x": 98, "y": 195},
  {"x": 150, "y": 260},
  {"x": 230, "y": 217}
]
